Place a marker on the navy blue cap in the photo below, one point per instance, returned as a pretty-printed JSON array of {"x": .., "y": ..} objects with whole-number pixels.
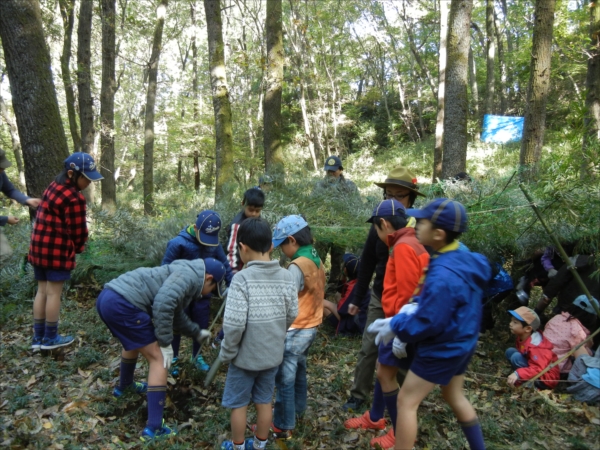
[
  {"x": 443, "y": 213},
  {"x": 333, "y": 163},
  {"x": 351, "y": 263},
  {"x": 390, "y": 207},
  {"x": 208, "y": 225},
  {"x": 84, "y": 163},
  {"x": 217, "y": 270}
]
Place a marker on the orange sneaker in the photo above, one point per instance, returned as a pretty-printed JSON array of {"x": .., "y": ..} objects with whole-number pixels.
[
  {"x": 365, "y": 423},
  {"x": 386, "y": 441}
]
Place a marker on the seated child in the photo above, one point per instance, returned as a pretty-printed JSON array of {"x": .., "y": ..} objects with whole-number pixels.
[
  {"x": 571, "y": 327},
  {"x": 262, "y": 303},
  {"x": 442, "y": 322},
  {"x": 295, "y": 238},
  {"x": 337, "y": 315},
  {"x": 533, "y": 353},
  {"x": 199, "y": 240},
  {"x": 141, "y": 308}
]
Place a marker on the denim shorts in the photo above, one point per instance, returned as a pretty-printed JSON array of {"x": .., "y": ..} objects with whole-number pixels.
[
  {"x": 42, "y": 274},
  {"x": 242, "y": 385},
  {"x": 129, "y": 324},
  {"x": 438, "y": 370}
]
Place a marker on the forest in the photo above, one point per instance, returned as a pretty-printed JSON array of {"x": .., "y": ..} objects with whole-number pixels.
[{"x": 185, "y": 104}]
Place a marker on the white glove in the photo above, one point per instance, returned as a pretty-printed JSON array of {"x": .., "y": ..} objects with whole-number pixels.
[
  {"x": 552, "y": 273},
  {"x": 409, "y": 309},
  {"x": 167, "y": 353},
  {"x": 202, "y": 336},
  {"x": 399, "y": 348},
  {"x": 573, "y": 260},
  {"x": 383, "y": 330}
]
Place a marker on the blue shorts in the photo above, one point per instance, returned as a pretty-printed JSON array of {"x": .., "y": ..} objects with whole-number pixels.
[
  {"x": 129, "y": 324},
  {"x": 42, "y": 274},
  {"x": 386, "y": 356},
  {"x": 242, "y": 385},
  {"x": 440, "y": 370}
]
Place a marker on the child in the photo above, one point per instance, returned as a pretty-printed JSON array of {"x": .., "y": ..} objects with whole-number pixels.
[
  {"x": 199, "y": 240},
  {"x": 59, "y": 233},
  {"x": 346, "y": 324},
  {"x": 295, "y": 238},
  {"x": 252, "y": 204},
  {"x": 569, "y": 328},
  {"x": 407, "y": 260},
  {"x": 442, "y": 322},
  {"x": 141, "y": 308},
  {"x": 533, "y": 353},
  {"x": 261, "y": 304}
]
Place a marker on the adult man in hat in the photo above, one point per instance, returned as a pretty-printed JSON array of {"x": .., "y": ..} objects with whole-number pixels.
[
  {"x": 401, "y": 185},
  {"x": 337, "y": 187},
  {"x": 11, "y": 192}
]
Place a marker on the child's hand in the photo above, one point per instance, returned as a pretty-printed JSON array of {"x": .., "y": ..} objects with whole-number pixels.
[
  {"x": 352, "y": 309},
  {"x": 512, "y": 379}
]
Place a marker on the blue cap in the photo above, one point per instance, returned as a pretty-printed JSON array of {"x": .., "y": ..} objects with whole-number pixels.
[
  {"x": 584, "y": 303},
  {"x": 208, "y": 225},
  {"x": 287, "y": 227},
  {"x": 351, "y": 263},
  {"x": 390, "y": 207},
  {"x": 217, "y": 270},
  {"x": 333, "y": 163},
  {"x": 84, "y": 163},
  {"x": 443, "y": 213}
]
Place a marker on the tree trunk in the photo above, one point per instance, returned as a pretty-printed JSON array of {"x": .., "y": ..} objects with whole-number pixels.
[
  {"x": 195, "y": 93},
  {"x": 490, "y": 83},
  {"x": 220, "y": 93},
  {"x": 66, "y": 10},
  {"x": 33, "y": 95},
  {"x": 591, "y": 137},
  {"x": 161, "y": 12},
  {"x": 196, "y": 172},
  {"x": 274, "y": 84},
  {"x": 457, "y": 102},
  {"x": 537, "y": 91},
  {"x": 107, "y": 105},
  {"x": 439, "y": 124},
  {"x": 502, "y": 65},
  {"x": 14, "y": 138},
  {"x": 473, "y": 83}
]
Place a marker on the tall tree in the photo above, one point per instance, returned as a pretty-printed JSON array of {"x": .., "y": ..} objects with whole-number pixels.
[
  {"x": 490, "y": 44},
  {"x": 161, "y": 12},
  {"x": 457, "y": 103},
  {"x": 274, "y": 87},
  {"x": 67, "y": 8},
  {"x": 84, "y": 78},
  {"x": 591, "y": 137},
  {"x": 220, "y": 94},
  {"x": 33, "y": 95},
  {"x": 538, "y": 88},
  {"x": 195, "y": 93},
  {"x": 439, "y": 123},
  {"x": 107, "y": 105}
]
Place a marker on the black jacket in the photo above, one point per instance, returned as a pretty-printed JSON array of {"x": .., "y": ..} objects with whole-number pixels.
[{"x": 373, "y": 260}]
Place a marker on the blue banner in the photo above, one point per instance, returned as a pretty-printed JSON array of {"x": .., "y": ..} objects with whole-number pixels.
[{"x": 502, "y": 129}]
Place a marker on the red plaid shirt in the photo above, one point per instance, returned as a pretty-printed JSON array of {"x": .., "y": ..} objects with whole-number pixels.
[{"x": 60, "y": 229}]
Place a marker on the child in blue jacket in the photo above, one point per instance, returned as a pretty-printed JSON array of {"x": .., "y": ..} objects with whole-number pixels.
[
  {"x": 199, "y": 240},
  {"x": 442, "y": 321}
]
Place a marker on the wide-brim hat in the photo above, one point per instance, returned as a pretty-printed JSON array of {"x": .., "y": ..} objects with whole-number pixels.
[
  {"x": 4, "y": 162},
  {"x": 401, "y": 176}
]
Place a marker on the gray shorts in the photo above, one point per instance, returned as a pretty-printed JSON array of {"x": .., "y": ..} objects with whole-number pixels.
[{"x": 242, "y": 385}]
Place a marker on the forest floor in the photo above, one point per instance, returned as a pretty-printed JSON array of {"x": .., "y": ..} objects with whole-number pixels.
[{"x": 63, "y": 400}]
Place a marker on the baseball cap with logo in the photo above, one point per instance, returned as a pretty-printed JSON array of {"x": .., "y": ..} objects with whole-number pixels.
[
  {"x": 527, "y": 315},
  {"x": 386, "y": 208},
  {"x": 401, "y": 176},
  {"x": 217, "y": 270},
  {"x": 4, "y": 162},
  {"x": 443, "y": 213},
  {"x": 286, "y": 227},
  {"x": 333, "y": 163},
  {"x": 208, "y": 224},
  {"x": 84, "y": 163}
]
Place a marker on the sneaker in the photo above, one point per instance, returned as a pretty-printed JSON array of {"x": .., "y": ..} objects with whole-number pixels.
[
  {"x": 250, "y": 444},
  {"x": 164, "y": 431},
  {"x": 139, "y": 387},
  {"x": 277, "y": 432},
  {"x": 36, "y": 343},
  {"x": 174, "y": 370},
  {"x": 217, "y": 341},
  {"x": 200, "y": 364},
  {"x": 58, "y": 341},
  {"x": 386, "y": 441},
  {"x": 353, "y": 404},
  {"x": 229, "y": 445},
  {"x": 364, "y": 422}
]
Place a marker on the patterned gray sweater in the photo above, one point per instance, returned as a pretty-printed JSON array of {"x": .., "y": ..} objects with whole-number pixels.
[{"x": 262, "y": 302}]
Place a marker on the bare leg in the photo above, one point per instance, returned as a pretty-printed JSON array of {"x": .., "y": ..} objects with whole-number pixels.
[
  {"x": 39, "y": 304},
  {"x": 330, "y": 308},
  {"x": 53, "y": 294},
  {"x": 455, "y": 397},
  {"x": 264, "y": 413},
  {"x": 157, "y": 374},
  {"x": 238, "y": 423},
  {"x": 387, "y": 377}
]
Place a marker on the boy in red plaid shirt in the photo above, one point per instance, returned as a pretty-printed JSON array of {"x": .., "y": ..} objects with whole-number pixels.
[{"x": 59, "y": 233}]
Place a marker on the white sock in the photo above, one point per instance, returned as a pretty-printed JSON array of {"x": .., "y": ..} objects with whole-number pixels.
[{"x": 258, "y": 444}]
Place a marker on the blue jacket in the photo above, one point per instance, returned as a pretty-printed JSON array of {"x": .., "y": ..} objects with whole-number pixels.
[
  {"x": 446, "y": 323},
  {"x": 186, "y": 246}
]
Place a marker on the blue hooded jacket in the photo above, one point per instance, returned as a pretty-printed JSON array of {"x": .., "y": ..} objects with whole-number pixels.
[
  {"x": 446, "y": 323},
  {"x": 186, "y": 246}
]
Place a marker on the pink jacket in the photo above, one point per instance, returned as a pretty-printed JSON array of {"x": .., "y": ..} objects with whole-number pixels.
[{"x": 564, "y": 334}]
